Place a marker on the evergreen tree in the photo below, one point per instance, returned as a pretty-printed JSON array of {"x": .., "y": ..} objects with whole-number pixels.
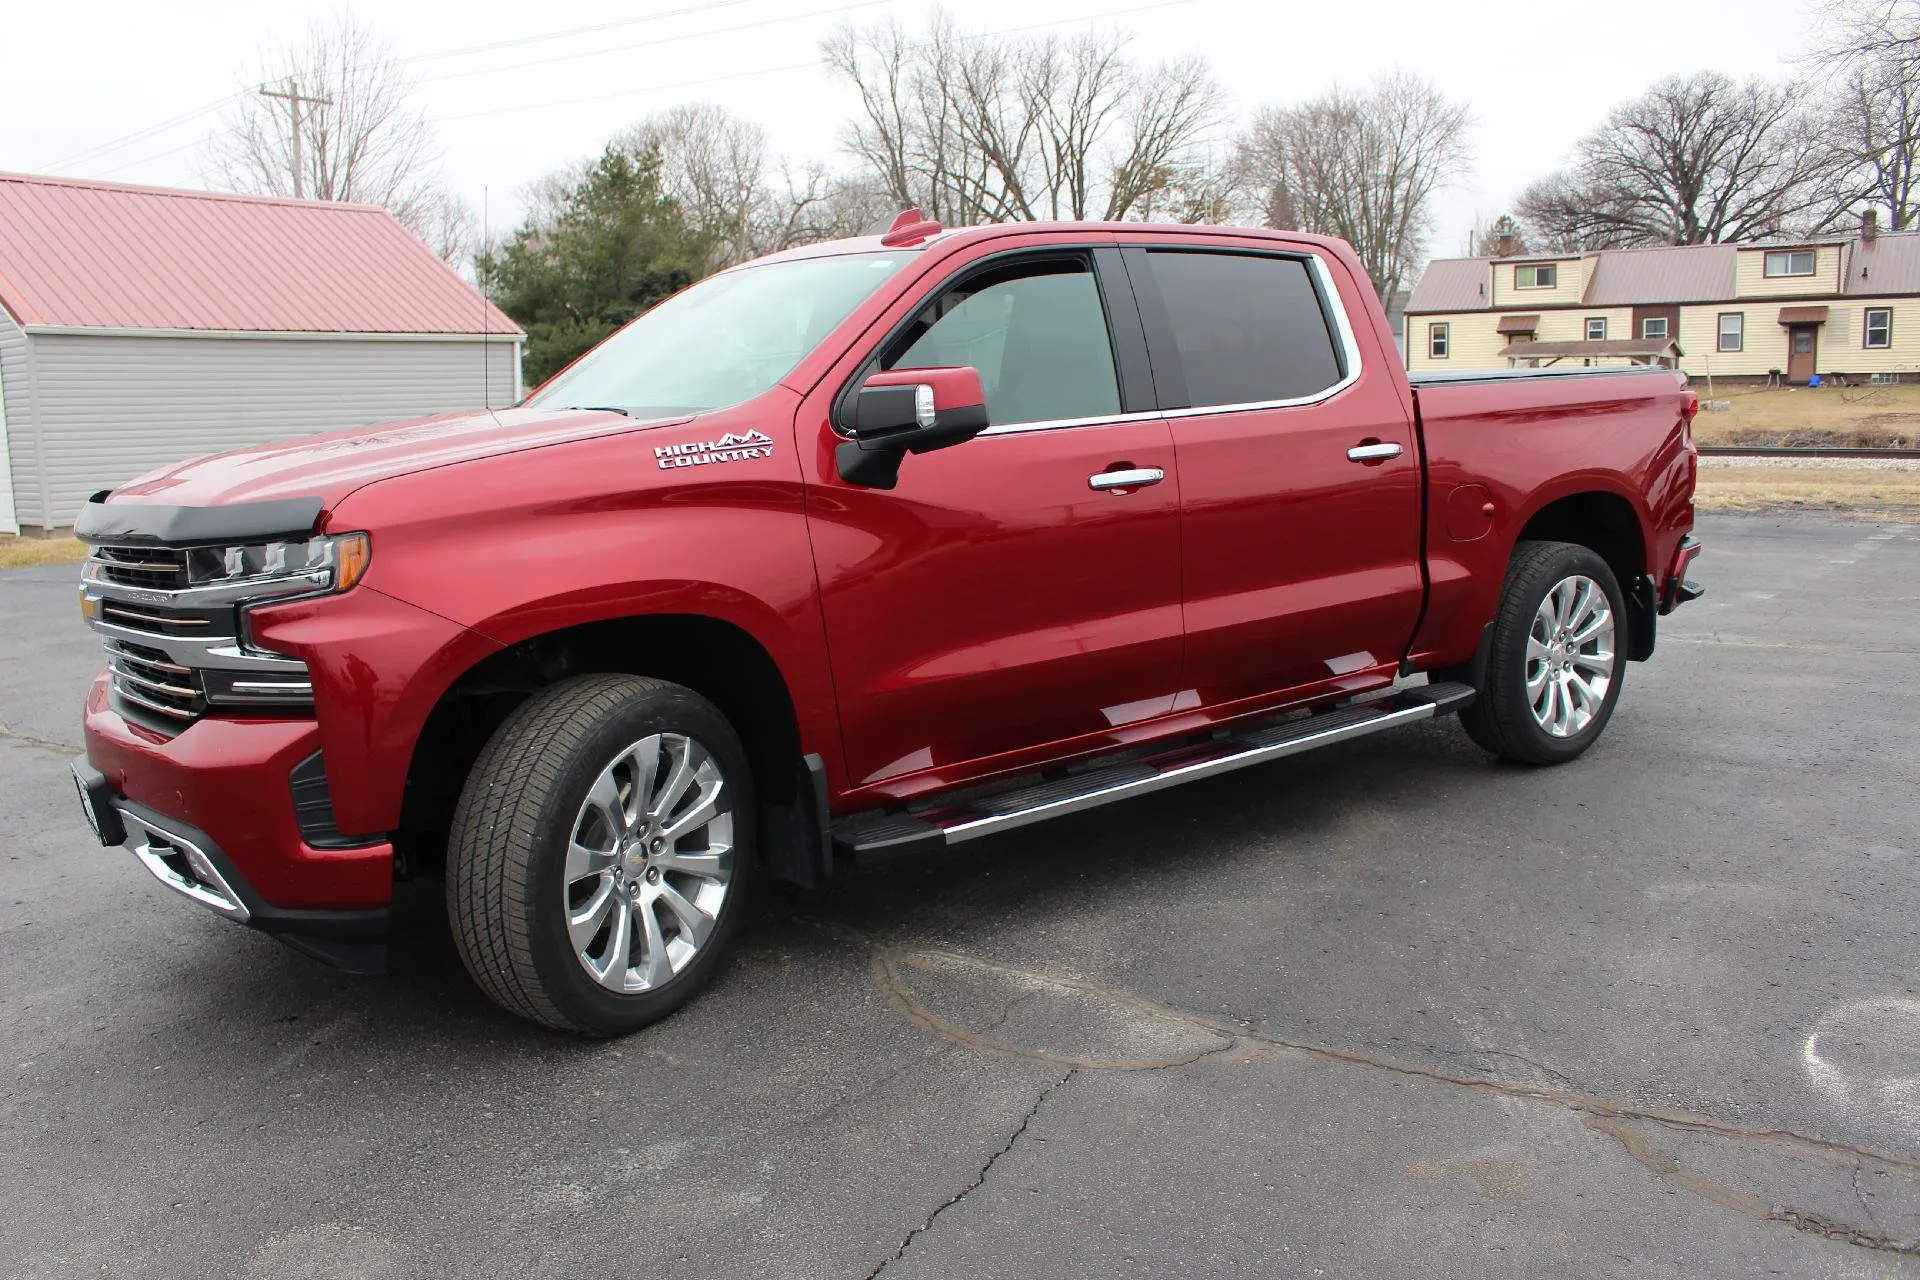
[{"x": 614, "y": 246}]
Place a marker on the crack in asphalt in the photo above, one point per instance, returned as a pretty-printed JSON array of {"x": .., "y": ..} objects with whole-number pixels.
[
  {"x": 1601, "y": 1115},
  {"x": 979, "y": 1179},
  {"x": 10, "y": 734},
  {"x": 1861, "y": 1196}
]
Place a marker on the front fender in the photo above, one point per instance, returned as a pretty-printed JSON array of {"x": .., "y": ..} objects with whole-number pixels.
[{"x": 539, "y": 541}]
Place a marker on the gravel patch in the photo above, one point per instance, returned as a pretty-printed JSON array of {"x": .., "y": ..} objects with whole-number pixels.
[{"x": 1818, "y": 464}]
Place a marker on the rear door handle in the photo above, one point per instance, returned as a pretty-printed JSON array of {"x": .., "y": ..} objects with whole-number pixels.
[
  {"x": 1132, "y": 478},
  {"x": 1373, "y": 452}
]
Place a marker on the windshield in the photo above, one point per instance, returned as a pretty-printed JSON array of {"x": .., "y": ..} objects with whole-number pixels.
[{"x": 724, "y": 340}]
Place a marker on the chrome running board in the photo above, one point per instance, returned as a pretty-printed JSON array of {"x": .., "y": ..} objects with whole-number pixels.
[{"x": 951, "y": 821}]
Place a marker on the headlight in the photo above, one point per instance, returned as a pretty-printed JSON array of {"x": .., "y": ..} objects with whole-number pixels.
[{"x": 327, "y": 564}]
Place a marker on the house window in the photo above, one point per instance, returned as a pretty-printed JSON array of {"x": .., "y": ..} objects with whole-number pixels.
[
  {"x": 1790, "y": 262},
  {"x": 1439, "y": 339},
  {"x": 1540, "y": 277},
  {"x": 1653, "y": 328},
  {"x": 1733, "y": 330},
  {"x": 1596, "y": 328},
  {"x": 1879, "y": 328}
]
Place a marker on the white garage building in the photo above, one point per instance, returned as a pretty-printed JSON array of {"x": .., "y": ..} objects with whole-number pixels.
[{"x": 140, "y": 325}]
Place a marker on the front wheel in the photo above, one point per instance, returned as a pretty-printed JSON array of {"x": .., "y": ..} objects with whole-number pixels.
[
  {"x": 1555, "y": 665},
  {"x": 599, "y": 852}
]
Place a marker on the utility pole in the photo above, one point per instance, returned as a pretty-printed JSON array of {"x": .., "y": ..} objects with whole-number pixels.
[{"x": 295, "y": 100}]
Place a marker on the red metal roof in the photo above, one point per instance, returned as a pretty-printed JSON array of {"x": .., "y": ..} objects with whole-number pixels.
[
  {"x": 1683, "y": 273},
  {"x": 104, "y": 255},
  {"x": 1889, "y": 263},
  {"x": 1451, "y": 284}
]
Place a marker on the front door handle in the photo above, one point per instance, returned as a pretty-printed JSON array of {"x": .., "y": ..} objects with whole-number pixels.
[
  {"x": 1373, "y": 452},
  {"x": 1130, "y": 478}
]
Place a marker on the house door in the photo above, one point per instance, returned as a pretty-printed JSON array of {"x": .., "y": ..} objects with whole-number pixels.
[{"x": 1803, "y": 351}]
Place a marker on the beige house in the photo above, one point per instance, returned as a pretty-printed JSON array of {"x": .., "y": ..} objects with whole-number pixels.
[{"x": 1846, "y": 308}]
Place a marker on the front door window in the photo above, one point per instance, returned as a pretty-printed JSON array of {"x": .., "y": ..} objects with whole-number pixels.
[{"x": 1036, "y": 332}]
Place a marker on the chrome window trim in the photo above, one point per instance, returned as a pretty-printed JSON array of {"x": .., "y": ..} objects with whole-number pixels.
[{"x": 1344, "y": 340}]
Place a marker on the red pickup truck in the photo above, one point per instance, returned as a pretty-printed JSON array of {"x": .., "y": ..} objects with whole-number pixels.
[{"x": 882, "y": 544}]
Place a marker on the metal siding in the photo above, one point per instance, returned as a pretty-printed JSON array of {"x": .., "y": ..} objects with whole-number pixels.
[
  {"x": 1753, "y": 282},
  {"x": 1842, "y": 339},
  {"x": 114, "y": 407},
  {"x": 14, "y": 420}
]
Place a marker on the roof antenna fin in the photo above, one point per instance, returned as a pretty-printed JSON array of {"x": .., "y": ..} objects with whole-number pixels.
[{"x": 910, "y": 227}]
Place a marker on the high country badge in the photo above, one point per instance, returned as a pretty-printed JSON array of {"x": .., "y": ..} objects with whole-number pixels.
[{"x": 728, "y": 448}]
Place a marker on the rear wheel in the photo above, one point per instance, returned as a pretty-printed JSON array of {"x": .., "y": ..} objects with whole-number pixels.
[
  {"x": 599, "y": 853},
  {"x": 1554, "y": 669}
]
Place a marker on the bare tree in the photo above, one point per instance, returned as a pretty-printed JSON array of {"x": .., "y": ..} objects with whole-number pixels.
[
  {"x": 1847, "y": 30},
  {"x": 343, "y": 127},
  {"x": 735, "y": 192},
  {"x": 975, "y": 128},
  {"x": 1870, "y": 49},
  {"x": 1504, "y": 237},
  {"x": 1363, "y": 165},
  {"x": 714, "y": 164},
  {"x": 1696, "y": 159},
  {"x": 1876, "y": 125}
]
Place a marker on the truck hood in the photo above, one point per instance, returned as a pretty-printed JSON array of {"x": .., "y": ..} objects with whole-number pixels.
[{"x": 332, "y": 466}]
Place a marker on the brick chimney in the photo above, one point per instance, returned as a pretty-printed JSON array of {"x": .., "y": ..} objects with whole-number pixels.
[
  {"x": 1506, "y": 245},
  {"x": 1870, "y": 226}
]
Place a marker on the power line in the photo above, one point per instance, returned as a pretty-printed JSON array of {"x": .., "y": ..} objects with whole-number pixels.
[
  {"x": 140, "y": 135},
  {"x": 791, "y": 66},
  {"x": 624, "y": 93},
  {"x": 186, "y": 117},
  {"x": 649, "y": 44},
  {"x": 124, "y": 165},
  {"x": 573, "y": 31}
]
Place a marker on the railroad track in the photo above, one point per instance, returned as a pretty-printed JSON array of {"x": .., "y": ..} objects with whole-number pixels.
[{"x": 1781, "y": 451}]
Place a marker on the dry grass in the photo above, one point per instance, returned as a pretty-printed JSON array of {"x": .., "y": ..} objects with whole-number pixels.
[
  {"x": 1891, "y": 495},
  {"x": 1865, "y": 416},
  {"x": 17, "y": 553}
]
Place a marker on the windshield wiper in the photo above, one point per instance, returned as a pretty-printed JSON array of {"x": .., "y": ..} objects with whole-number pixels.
[{"x": 597, "y": 408}]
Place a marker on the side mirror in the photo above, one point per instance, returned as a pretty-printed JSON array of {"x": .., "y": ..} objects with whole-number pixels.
[{"x": 909, "y": 411}]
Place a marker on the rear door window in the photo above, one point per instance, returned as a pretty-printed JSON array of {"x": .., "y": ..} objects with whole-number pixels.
[{"x": 1244, "y": 328}]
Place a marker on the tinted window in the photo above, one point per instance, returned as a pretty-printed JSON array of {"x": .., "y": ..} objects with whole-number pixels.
[
  {"x": 1035, "y": 331},
  {"x": 1247, "y": 329}
]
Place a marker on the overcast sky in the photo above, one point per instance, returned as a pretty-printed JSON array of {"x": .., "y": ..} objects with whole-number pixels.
[{"x": 75, "y": 77}]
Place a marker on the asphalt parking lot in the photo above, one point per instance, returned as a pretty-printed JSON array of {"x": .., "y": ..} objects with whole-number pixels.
[{"x": 1388, "y": 1010}]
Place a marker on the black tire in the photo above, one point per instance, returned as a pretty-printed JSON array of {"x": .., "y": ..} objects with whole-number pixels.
[
  {"x": 507, "y": 851},
  {"x": 1501, "y": 719}
]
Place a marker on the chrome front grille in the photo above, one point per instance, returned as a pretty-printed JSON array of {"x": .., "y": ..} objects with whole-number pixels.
[
  {"x": 158, "y": 621},
  {"x": 176, "y": 652},
  {"x": 148, "y": 678},
  {"x": 161, "y": 568}
]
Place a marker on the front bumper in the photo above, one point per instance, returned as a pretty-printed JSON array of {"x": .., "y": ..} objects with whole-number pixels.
[{"x": 211, "y": 813}]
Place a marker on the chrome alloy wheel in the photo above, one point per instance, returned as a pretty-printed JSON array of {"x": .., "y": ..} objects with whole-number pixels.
[
  {"x": 1570, "y": 656},
  {"x": 649, "y": 863}
]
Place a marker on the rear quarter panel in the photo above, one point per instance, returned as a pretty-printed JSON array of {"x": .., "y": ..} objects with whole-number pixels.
[{"x": 1529, "y": 442}]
